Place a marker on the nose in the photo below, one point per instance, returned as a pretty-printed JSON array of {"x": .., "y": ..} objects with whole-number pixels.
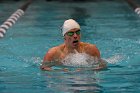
[{"x": 75, "y": 36}]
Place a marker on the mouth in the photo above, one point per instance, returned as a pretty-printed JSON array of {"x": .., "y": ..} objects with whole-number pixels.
[{"x": 75, "y": 43}]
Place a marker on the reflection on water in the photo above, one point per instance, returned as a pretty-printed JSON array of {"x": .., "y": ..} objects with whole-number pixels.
[{"x": 74, "y": 82}]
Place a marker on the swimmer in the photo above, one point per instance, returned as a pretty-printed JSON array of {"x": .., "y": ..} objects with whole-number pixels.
[{"x": 72, "y": 44}]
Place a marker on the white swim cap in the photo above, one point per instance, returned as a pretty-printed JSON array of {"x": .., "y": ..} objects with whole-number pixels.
[{"x": 68, "y": 25}]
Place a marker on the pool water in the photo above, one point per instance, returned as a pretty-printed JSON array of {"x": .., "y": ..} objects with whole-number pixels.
[{"x": 111, "y": 25}]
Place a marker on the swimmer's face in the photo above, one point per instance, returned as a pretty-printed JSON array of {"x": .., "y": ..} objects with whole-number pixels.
[{"x": 72, "y": 37}]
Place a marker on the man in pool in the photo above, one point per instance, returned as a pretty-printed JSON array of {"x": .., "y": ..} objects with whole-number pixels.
[{"x": 72, "y": 44}]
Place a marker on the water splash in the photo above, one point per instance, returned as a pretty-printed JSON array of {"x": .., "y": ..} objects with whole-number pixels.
[
  {"x": 80, "y": 60},
  {"x": 115, "y": 59},
  {"x": 31, "y": 61}
]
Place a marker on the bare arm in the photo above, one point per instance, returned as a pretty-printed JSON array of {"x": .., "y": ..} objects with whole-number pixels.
[
  {"x": 48, "y": 59},
  {"x": 94, "y": 51}
]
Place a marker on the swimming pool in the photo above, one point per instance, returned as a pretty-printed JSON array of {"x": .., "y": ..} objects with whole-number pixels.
[{"x": 111, "y": 25}]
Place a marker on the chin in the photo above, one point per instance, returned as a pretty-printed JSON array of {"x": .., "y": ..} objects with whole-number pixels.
[{"x": 75, "y": 45}]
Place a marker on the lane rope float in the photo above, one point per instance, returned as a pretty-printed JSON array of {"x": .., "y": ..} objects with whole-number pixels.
[
  {"x": 13, "y": 18},
  {"x": 135, "y": 6}
]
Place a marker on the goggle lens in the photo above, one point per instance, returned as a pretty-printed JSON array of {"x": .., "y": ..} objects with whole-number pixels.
[{"x": 72, "y": 33}]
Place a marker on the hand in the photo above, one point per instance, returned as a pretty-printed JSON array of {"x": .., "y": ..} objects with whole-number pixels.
[
  {"x": 65, "y": 69},
  {"x": 46, "y": 68},
  {"x": 78, "y": 69}
]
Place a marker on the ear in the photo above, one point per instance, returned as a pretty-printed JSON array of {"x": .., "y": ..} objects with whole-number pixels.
[{"x": 64, "y": 38}]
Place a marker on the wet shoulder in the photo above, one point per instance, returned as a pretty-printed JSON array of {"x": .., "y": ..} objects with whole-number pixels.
[
  {"x": 55, "y": 51},
  {"x": 59, "y": 49},
  {"x": 52, "y": 50},
  {"x": 87, "y": 45}
]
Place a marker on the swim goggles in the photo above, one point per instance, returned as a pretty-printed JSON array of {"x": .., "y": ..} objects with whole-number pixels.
[{"x": 72, "y": 33}]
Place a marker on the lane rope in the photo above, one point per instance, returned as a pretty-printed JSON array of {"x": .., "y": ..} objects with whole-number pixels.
[
  {"x": 13, "y": 18},
  {"x": 135, "y": 6}
]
